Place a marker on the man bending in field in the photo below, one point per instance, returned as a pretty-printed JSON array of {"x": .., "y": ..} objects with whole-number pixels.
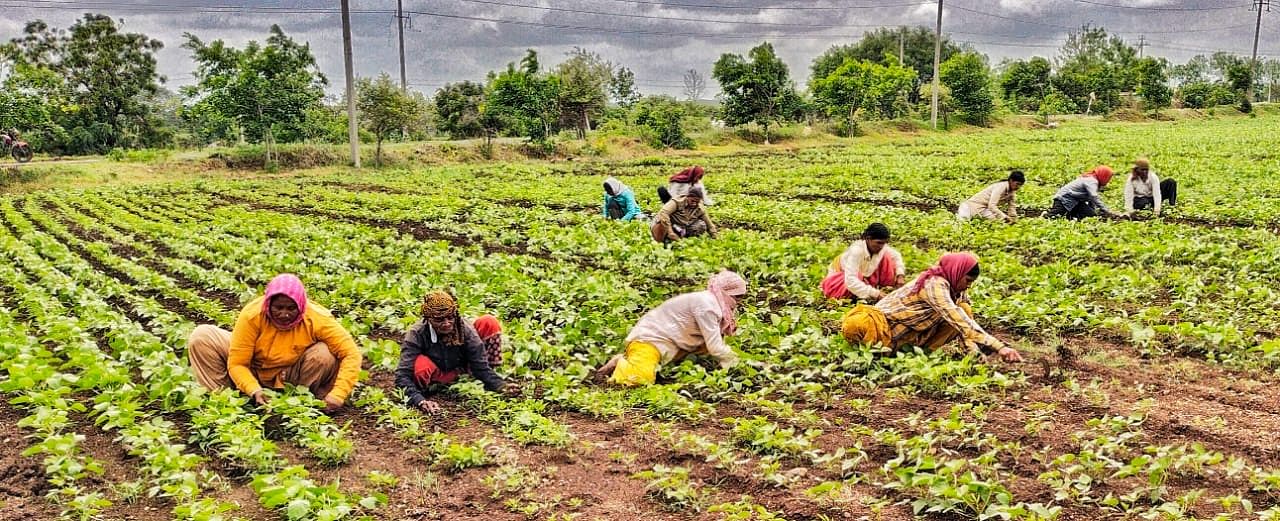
[
  {"x": 1080, "y": 198},
  {"x": 682, "y": 218},
  {"x": 986, "y": 204},
  {"x": 867, "y": 269},
  {"x": 928, "y": 313},
  {"x": 1144, "y": 190},
  {"x": 279, "y": 338},
  {"x": 689, "y": 324},
  {"x": 441, "y": 346}
]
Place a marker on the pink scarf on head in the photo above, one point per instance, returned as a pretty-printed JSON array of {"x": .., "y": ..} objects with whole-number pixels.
[
  {"x": 725, "y": 287},
  {"x": 952, "y": 266},
  {"x": 286, "y": 284},
  {"x": 689, "y": 175}
]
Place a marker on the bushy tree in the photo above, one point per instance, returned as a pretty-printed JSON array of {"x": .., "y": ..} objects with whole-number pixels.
[
  {"x": 1196, "y": 70},
  {"x": 1153, "y": 84},
  {"x": 524, "y": 98},
  {"x": 1094, "y": 68},
  {"x": 863, "y": 85},
  {"x": 756, "y": 89},
  {"x": 585, "y": 80},
  {"x": 458, "y": 109},
  {"x": 1025, "y": 83},
  {"x": 384, "y": 108},
  {"x": 662, "y": 121},
  {"x": 623, "y": 87},
  {"x": 918, "y": 43},
  {"x": 1205, "y": 94},
  {"x": 694, "y": 84},
  {"x": 967, "y": 76},
  {"x": 265, "y": 91},
  {"x": 96, "y": 77},
  {"x": 1055, "y": 103}
]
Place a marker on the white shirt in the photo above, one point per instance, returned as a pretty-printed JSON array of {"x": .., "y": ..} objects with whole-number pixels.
[
  {"x": 1135, "y": 188},
  {"x": 987, "y": 203},
  {"x": 856, "y": 263},
  {"x": 687, "y": 322}
]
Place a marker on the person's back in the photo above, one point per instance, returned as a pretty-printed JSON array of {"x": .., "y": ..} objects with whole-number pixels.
[
  {"x": 1078, "y": 188},
  {"x": 677, "y": 323}
]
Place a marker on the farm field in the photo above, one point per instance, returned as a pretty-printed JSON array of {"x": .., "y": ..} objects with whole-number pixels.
[{"x": 1149, "y": 387}]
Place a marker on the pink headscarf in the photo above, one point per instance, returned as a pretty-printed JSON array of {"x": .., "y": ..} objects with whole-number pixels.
[
  {"x": 286, "y": 284},
  {"x": 725, "y": 286},
  {"x": 1102, "y": 173},
  {"x": 952, "y": 266},
  {"x": 689, "y": 175}
]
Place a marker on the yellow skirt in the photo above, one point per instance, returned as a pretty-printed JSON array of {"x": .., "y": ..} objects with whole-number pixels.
[
  {"x": 866, "y": 325},
  {"x": 639, "y": 366}
]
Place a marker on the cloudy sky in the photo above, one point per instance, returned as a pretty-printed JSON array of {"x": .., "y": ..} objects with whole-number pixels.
[{"x": 450, "y": 40}]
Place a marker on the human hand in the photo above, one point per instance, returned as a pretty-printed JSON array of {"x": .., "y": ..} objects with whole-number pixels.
[
  {"x": 429, "y": 406},
  {"x": 332, "y": 404},
  {"x": 1009, "y": 354},
  {"x": 260, "y": 397},
  {"x": 511, "y": 390}
]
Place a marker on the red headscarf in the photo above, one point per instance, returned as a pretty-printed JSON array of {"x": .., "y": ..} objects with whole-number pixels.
[
  {"x": 952, "y": 266},
  {"x": 1102, "y": 173},
  {"x": 487, "y": 326},
  {"x": 286, "y": 284},
  {"x": 689, "y": 175},
  {"x": 725, "y": 287}
]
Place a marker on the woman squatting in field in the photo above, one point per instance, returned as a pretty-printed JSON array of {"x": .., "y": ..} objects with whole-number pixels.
[
  {"x": 689, "y": 324},
  {"x": 929, "y": 313},
  {"x": 279, "y": 338},
  {"x": 867, "y": 269}
]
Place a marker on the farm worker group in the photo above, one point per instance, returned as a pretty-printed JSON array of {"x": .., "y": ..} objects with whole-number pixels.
[{"x": 1078, "y": 199}]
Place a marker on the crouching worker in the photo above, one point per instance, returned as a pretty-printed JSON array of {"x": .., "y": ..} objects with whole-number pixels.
[
  {"x": 279, "y": 338},
  {"x": 689, "y": 324},
  {"x": 1080, "y": 198},
  {"x": 929, "y": 313},
  {"x": 682, "y": 218},
  {"x": 620, "y": 201},
  {"x": 441, "y": 346},
  {"x": 1144, "y": 190},
  {"x": 867, "y": 269},
  {"x": 986, "y": 204}
]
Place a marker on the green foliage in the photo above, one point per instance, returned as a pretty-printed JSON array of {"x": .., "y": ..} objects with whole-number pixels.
[
  {"x": 524, "y": 99},
  {"x": 967, "y": 76},
  {"x": 585, "y": 82},
  {"x": 1025, "y": 83},
  {"x": 1093, "y": 68},
  {"x": 623, "y": 87},
  {"x": 662, "y": 122},
  {"x": 1203, "y": 95},
  {"x": 756, "y": 89},
  {"x": 917, "y": 43},
  {"x": 671, "y": 487},
  {"x": 1153, "y": 84},
  {"x": 385, "y": 108},
  {"x": 860, "y": 85},
  {"x": 458, "y": 106}
]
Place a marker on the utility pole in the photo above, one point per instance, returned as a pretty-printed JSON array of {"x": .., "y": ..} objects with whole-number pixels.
[
  {"x": 1257, "y": 28},
  {"x": 1142, "y": 45},
  {"x": 937, "y": 63},
  {"x": 404, "y": 79},
  {"x": 352, "y": 134},
  {"x": 902, "y": 35}
]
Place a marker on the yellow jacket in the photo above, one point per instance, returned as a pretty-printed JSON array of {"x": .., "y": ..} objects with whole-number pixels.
[{"x": 260, "y": 353}]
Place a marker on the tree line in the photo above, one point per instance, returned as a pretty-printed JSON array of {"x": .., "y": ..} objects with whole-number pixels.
[{"x": 93, "y": 88}]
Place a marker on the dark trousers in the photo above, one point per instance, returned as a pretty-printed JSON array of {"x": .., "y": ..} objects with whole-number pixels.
[
  {"x": 663, "y": 194},
  {"x": 1168, "y": 194},
  {"x": 1081, "y": 210}
]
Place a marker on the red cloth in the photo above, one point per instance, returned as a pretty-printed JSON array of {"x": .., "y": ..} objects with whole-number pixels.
[
  {"x": 834, "y": 287},
  {"x": 426, "y": 373},
  {"x": 487, "y": 326},
  {"x": 689, "y": 175},
  {"x": 288, "y": 285},
  {"x": 1102, "y": 173},
  {"x": 952, "y": 266}
]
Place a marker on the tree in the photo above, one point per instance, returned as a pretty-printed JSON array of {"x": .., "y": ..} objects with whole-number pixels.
[
  {"x": 1094, "y": 68},
  {"x": 1153, "y": 84},
  {"x": 524, "y": 99},
  {"x": 384, "y": 108},
  {"x": 694, "y": 85},
  {"x": 756, "y": 90},
  {"x": 623, "y": 87},
  {"x": 863, "y": 85},
  {"x": 1240, "y": 78},
  {"x": 662, "y": 121},
  {"x": 917, "y": 44},
  {"x": 1025, "y": 83},
  {"x": 1055, "y": 103},
  {"x": 1196, "y": 70},
  {"x": 585, "y": 79},
  {"x": 458, "y": 107},
  {"x": 104, "y": 77},
  {"x": 265, "y": 91},
  {"x": 967, "y": 76}
]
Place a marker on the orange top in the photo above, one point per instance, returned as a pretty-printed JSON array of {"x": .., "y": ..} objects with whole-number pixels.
[{"x": 260, "y": 353}]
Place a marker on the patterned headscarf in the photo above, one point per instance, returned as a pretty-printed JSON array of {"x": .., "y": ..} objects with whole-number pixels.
[
  {"x": 289, "y": 285},
  {"x": 725, "y": 287},
  {"x": 441, "y": 304},
  {"x": 952, "y": 266}
]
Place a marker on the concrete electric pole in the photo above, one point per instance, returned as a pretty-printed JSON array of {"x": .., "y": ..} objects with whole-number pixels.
[
  {"x": 352, "y": 133},
  {"x": 937, "y": 63},
  {"x": 1257, "y": 28}
]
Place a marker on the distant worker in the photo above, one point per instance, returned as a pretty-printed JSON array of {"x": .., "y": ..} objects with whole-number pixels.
[
  {"x": 1080, "y": 198},
  {"x": 1144, "y": 190},
  {"x": 929, "y": 313},
  {"x": 682, "y": 218},
  {"x": 986, "y": 204},
  {"x": 689, "y": 324},
  {"x": 620, "y": 201},
  {"x": 867, "y": 269},
  {"x": 678, "y": 185},
  {"x": 440, "y": 347},
  {"x": 279, "y": 338}
]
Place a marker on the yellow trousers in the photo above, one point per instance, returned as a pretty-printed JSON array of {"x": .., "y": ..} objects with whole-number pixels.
[
  {"x": 638, "y": 366},
  {"x": 867, "y": 325}
]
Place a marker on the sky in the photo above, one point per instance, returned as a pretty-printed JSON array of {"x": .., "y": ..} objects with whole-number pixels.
[{"x": 454, "y": 40}]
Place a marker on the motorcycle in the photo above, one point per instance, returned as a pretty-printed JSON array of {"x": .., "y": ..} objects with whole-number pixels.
[{"x": 19, "y": 149}]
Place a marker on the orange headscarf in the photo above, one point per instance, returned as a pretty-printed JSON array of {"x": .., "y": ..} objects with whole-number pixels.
[{"x": 1102, "y": 173}]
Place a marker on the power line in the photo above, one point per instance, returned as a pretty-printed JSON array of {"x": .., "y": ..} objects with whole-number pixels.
[
  {"x": 1163, "y": 8},
  {"x": 769, "y": 8},
  {"x": 671, "y": 18}
]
